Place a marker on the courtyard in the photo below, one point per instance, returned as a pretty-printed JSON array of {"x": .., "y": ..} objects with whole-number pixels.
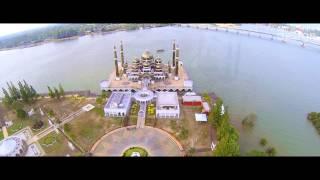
[{"x": 156, "y": 142}]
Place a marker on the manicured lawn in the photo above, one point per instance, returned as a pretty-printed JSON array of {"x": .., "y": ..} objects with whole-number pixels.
[{"x": 128, "y": 153}]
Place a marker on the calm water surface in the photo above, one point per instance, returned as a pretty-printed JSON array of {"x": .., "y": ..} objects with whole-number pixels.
[{"x": 279, "y": 82}]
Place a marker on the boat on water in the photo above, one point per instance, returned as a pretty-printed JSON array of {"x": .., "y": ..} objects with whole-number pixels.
[{"x": 160, "y": 50}]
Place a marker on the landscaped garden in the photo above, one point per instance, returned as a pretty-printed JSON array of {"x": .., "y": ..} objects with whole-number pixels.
[{"x": 134, "y": 151}]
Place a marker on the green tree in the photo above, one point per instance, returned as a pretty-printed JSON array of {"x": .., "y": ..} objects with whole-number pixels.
[
  {"x": 227, "y": 147},
  {"x": 56, "y": 93},
  {"x": 250, "y": 120},
  {"x": 21, "y": 113},
  {"x": 271, "y": 151},
  {"x": 15, "y": 91},
  {"x": 263, "y": 141},
  {"x": 312, "y": 116},
  {"x": 27, "y": 89},
  {"x": 217, "y": 112},
  {"x": 50, "y": 113},
  {"x": 61, "y": 90},
  {"x": 51, "y": 93},
  {"x": 34, "y": 93},
  {"x": 7, "y": 100},
  {"x": 23, "y": 92}
]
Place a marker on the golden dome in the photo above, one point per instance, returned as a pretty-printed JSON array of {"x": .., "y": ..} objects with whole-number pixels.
[
  {"x": 158, "y": 61},
  {"x": 147, "y": 55}
]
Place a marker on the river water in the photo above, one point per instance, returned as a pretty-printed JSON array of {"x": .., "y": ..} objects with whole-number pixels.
[{"x": 279, "y": 82}]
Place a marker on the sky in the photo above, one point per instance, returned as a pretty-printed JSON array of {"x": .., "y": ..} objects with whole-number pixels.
[{"x": 6, "y": 29}]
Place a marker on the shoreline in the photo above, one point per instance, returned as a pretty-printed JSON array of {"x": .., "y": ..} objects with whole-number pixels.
[{"x": 70, "y": 38}]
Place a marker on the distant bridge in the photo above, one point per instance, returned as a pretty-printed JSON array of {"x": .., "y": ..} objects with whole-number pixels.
[{"x": 283, "y": 36}]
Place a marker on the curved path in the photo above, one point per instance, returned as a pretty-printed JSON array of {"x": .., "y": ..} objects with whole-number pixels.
[{"x": 156, "y": 141}]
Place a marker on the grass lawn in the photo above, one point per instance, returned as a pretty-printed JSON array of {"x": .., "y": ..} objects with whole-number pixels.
[
  {"x": 89, "y": 127},
  {"x": 57, "y": 145},
  {"x": 18, "y": 124},
  {"x": 128, "y": 152}
]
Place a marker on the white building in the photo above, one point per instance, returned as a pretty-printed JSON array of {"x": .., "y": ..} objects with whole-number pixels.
[
  {"x": 167, "y": 105},
  {"x": 118, "y": 104},
  {"x": 13, "y": 146}
]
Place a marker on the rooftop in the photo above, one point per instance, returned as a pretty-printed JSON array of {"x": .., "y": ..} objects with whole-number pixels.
[
  {"x": 118, "y": 100},
  {"x": 167, "y": 99},
  {"x": 192, "y": 98}
]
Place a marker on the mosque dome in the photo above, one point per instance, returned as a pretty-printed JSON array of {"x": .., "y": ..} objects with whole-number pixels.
[
  {"x": 13, "y": 146},
  {"x": 147, "y": 55}
]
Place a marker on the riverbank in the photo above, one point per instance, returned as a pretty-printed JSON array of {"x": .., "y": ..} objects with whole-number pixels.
[{"x": 33, "y": 44}]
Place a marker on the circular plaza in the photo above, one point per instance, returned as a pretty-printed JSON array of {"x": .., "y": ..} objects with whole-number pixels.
[{"x": 155, "y": 141}]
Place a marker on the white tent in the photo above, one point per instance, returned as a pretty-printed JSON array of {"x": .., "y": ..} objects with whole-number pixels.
[{"x": 201, "y": 117}]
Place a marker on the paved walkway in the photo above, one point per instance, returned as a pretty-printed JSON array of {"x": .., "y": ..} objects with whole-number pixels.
[
  {"x": 53, "y": 127},
  {"x": 141, "y": 115},
  {"x": 5, "y": 132},
  {"x": 156, "y": 141}
]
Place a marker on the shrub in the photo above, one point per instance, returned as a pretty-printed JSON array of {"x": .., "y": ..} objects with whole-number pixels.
[
  {"x": 250, "y": 120},
  {"x": 50, "y": 113},
  {"x": 263, "y": 141},
  {"x": 271, "y": 151},
  {"x": 38, "y": 124}
]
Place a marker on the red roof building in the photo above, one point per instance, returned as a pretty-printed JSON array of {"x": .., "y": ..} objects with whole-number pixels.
[{"x": 191, "y": 100}]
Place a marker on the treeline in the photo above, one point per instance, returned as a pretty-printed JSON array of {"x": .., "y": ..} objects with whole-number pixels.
[
  {"x": 61, "y": 31},
  {"x": 227, "y": 135},
  {"x": 24, "y": 92}
]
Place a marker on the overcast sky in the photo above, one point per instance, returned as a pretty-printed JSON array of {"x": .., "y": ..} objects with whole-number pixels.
[{"x": 6, "y": 29}]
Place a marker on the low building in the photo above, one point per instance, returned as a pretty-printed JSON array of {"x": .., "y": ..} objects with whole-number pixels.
[
  {"x": 191, "y": 100},
  {"x": 118, "y": 104},
  {"x": 167, "y": 105}
]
